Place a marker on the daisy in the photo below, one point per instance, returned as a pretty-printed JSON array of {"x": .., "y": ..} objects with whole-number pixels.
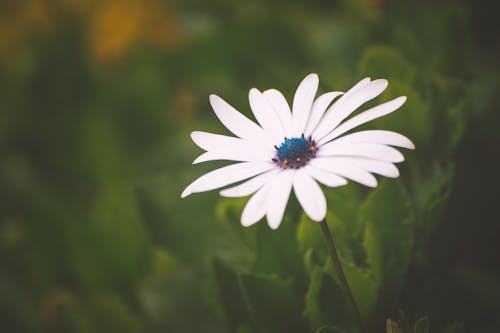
[{"x": 298, "y": 148}]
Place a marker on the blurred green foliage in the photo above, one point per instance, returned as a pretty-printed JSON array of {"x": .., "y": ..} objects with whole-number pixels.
[{"x": 97, "y": 100}]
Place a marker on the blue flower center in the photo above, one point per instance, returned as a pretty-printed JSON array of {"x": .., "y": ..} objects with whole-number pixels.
[{"x": 294, "y": 153}]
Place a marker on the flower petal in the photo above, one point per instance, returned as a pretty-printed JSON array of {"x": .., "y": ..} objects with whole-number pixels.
[
  {"x": 212, "y": 141},
  {"x": 248, "y": 187},
  {"x": 265, "y": 115},
  {"x": 210, "y": 156},
  {"x": 310, "y": 196},
  {"x": 377, "y": 136},
  {"x": 218, "y": 142},
  {"x": 222, "y": 147},
  {"x": 282, "y": 109},
  {"x": 312, "y": 124},
  {"x": 324, "y": 177},
  {"x": 302, "y": 103},
  {"x": 345, "y": 169},
  {"x": 234, "y": 121},
  {"x": 370, "y": 150},
  {"x": 358, "y": 85},
  {"x": 347, "y": 104},
  {"x": 226, "y": 175},
  {"x": 379, "y": 167},
  {"x": 241, "y": 155},
  {"x": 318, "y": 109},
  {"x": 364, "y": 117},
  {"x": 278, "y": 195},
  {"x": 256, "y": 207}
]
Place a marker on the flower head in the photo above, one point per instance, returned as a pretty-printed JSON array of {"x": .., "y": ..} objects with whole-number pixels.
[{"x": 298, "y": 148}]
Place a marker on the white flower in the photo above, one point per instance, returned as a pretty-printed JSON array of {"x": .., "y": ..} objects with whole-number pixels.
[{"x": 298, "y": 148}]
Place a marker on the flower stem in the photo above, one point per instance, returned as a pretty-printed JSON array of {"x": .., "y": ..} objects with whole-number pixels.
[{"x": 340, "y": 272}]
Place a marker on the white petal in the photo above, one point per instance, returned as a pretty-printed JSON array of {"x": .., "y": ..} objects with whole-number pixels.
[
  {"x": 222, "y": 147},
  {"x": 211, "y": 141},
  {"x": 377, "y": 136},
  {"x": 347, "y": 104},
  {"x": 282, "y": 109},
  {"x": 379, "y": 167},
  {"x": 227, "y": 147},
  {"x": 324, "y": 177},
  {"x": 248, "y": 187},
  {"x": 318, "y": 109},
  {"x": 364, "y": 117},
  {"x": 256, "y": 207},
  {"x": 310, "y": 196},
  {"x": 302, "y": 103},
  {"x": 360, "y": 84},
  {"x": 320, "y": 106},
  {"x": 226, "y": 175},
  {"x": 241, "y": 155},
  {"x": 234, "y": 121},
  {"x": 209, "y": 156},
  {"x": 265, "y": 114},
  {"x": 370, "y": 150},
  {"x": 278, "y": 197},
  {"x": 344, "y": 169}
]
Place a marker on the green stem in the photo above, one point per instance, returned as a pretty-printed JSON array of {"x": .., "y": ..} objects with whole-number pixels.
[{"x": 338, "y": 266}]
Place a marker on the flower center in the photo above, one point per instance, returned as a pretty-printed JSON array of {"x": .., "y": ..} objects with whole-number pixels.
[{"x": 294, "y": 153}]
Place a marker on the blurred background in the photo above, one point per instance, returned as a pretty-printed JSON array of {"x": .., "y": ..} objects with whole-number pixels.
[{"x": 97, "y": 100}]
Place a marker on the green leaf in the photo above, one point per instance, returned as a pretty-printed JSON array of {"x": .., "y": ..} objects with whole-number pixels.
[
  {"x": 231, "y": 296},
  {"x": 273, "y": 303},
  {"x": 374, "y": 250},
  {"x": 313, "y": 308},
  {"x": 105, "y": 312},
  {"x": 276, "y": 250},
  {"x": 311, "y": 261},
  {"x": 153, "y": 288},
  {"x": 326, "y": 301},
  {"x": 111, "y": 248},
  {"x": 386, "y": 62},
  {"x": 228, "y": 213},
  {"x": 414, "y": 119},
  {"x": 240, "y": 242},
  {"x": 330, "y": 329},
  {"x": 421, "y": 325},
  {"x": 343, "y": 202},
  {"x": 363, "y": 286},
  {"x": 449, "y": 101},
  {"x": 265, "y": 250},
  {"x": 407, "y": 41},
  {"x": 310, "y": 236},
  {"x": 244, "y": 329},
  {"x": 312, "y": 244},
  {"x": 362, "y": 283},
  {"x": 388, "y": 240},
  {"x": 430, "y": 195}
]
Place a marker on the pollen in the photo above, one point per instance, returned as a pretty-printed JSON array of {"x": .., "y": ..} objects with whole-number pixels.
[{"x": 294, "y": 153}]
